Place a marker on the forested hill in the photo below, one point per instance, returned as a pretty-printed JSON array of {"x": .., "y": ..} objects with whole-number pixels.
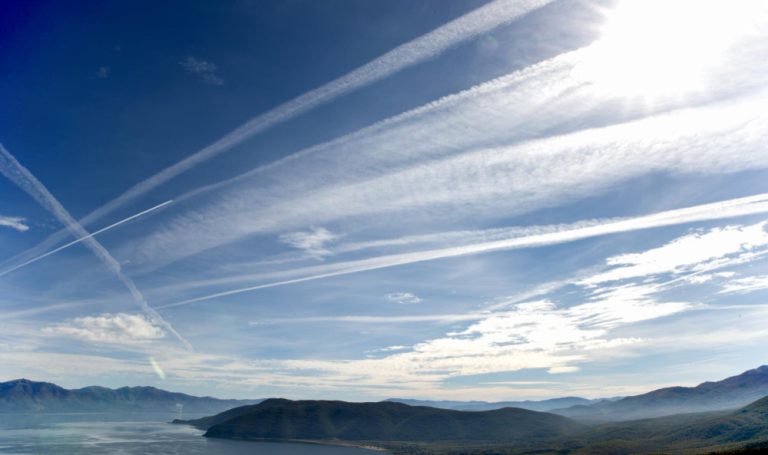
[{"x": 384, "y": 421}]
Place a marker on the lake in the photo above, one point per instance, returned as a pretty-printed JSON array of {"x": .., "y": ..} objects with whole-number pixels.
[{"x": 132, "y": 435}]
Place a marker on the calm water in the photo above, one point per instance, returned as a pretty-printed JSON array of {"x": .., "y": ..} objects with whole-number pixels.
[{"x": 132, "y": 435}]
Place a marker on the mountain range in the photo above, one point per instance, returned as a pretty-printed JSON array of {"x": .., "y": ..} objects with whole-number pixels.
[
  {"x": 730, "y": 393},
  {"x": 731, "y": 414},
  {"x": 23, "y": 395},
  {"x": 533, "y": 405}
]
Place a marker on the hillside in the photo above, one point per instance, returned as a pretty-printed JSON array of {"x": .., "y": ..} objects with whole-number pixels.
[
  {"x": 384, "y": 421},
  {"x": 730, "y": 393},
  {"x": 684, "y": 433},
  {"x": 207, "y": 422},
  {"x": 747, "y": 424},
  {"x": 23, "y": 395}
]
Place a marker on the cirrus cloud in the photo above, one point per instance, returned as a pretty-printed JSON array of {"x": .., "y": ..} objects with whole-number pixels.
[
  {"x": 108, "y": 328},
  {"x": 206, "y": 71},
  {"x": 14, "y": 222},
  {"x": 403, "y": 297}
]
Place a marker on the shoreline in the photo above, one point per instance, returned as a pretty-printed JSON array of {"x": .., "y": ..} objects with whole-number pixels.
[{"x": 321, "y": 442}]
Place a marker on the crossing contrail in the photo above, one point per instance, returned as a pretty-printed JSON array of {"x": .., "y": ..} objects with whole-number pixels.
[
  {"x": 81, "y": 239},
  {"x": 425, "y": 47},
  {"x": 24, "y": 179}
]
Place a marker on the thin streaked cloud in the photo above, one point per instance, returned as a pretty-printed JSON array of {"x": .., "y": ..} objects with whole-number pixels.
[
  {"x": 14, "y": 222},
  {"x": 403, "y": 297},
  {"x": 108, "y": 328}
]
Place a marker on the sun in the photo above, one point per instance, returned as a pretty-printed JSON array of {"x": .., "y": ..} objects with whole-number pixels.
[{"x": 656, "y": 48}]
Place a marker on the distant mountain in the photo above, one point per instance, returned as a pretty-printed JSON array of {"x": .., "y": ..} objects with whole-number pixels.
[
  {"x": 23, "y": 395},
  {"x": 533, "y": 405},
  {"x": 382, "y": 421},
  {"x": 730, "y": 393}
]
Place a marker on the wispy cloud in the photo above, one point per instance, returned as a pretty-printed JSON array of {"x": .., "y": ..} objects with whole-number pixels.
[
  {"x": 14, "y": 222},
  {"x": 719, "y": 210},
  {"x": 746, "y": 285},
  {"x": 24, "y": 179},
  {"x": 389, "y": 349},
  {"x": 443, "y": 38},
  {"x": 312, "y": 242},
  {"x": 687, "y": 253},
  {"x": 535, "y": 334},
  {"x": 707, "y": 277},
  {"x": 562, "y": 370},
  {"x": 108, "y": 328},
  {"x": 103, "y": 72},
  {"x": 403, "y": 297},
  {"x": 205, "y": 71}
]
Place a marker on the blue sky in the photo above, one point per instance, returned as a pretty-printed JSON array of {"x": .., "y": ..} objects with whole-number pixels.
[{"x": 362, "y": 199}]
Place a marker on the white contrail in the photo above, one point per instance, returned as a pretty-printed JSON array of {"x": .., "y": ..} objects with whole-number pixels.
[
  {"x": 5, "y": 315},
  {"x": 78, "y": 240},
  {"x": 425, "y": 47},
  {"x": 479, "y": 183},
  {"x": 24, "y": 179},
  {"x": 750, "y": 205}
]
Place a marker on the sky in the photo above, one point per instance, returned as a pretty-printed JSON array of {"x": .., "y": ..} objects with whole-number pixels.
[{"x": 356, "y": 199}]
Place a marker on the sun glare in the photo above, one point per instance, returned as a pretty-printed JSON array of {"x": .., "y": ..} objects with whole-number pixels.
[{"x": 653, "y": 48}]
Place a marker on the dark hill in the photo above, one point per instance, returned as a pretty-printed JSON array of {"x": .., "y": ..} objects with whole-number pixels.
[
  {"x": 384, "y": 421},
  {"x": 207, "y": 422},
  {"x": 23, "y": 395},
  {"x": 730, "y": 393}
]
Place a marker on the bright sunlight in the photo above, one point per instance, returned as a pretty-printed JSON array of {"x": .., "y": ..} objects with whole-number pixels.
[{"x": 660, "y": 48}]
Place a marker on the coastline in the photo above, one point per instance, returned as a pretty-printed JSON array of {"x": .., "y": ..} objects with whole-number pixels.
[{"x": 322, "y": 442}]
